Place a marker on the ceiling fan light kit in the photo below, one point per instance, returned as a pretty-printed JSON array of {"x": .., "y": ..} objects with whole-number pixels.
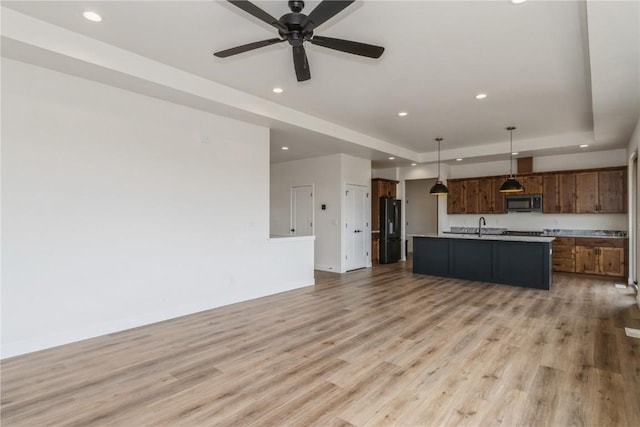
[
  {"x": 511, "y": 185},
  {"x": 297, "y": 28}
]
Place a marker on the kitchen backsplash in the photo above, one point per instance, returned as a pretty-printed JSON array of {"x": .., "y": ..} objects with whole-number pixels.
[
  {"x": 547, "y": 232},
  {"x": 538, "y": 221}
]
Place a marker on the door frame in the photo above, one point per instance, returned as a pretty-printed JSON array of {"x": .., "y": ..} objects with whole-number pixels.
[
  {"x": 632, "y": 196},
  {"x": 313, "y": 211},
  {"x": 367, "y": 219}
]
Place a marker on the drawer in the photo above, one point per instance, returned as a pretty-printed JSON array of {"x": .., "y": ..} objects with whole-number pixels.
[
  {"x": 567, "y": 252},
  {"x": 565, "y": 265},
  {"x": 595, "y": 242},
  {"x": 564, "y": 241}
]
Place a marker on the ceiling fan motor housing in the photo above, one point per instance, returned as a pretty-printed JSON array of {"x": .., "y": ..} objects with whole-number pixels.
[
  {"x": 296, "y": 5},
  {"x": 296, "y": 34}
]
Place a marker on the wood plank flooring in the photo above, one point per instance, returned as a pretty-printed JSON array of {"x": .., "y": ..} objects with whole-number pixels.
[{"x": 374, "y": 347}]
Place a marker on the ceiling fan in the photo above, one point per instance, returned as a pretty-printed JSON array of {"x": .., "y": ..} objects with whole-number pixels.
[{"x": 297, "y": 28}]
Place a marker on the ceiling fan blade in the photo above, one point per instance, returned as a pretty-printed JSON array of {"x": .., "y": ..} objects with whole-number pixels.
[
  {"x": 348, "y": 46},
  {"x": 301, "y": 64},
  {"x": 254, "y": 10},
  {"x": 246, "y": 47},
  {"x": 323, "y": 12}
]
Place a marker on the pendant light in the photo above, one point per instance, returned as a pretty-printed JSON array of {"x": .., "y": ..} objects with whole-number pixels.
[
  {"x": 511, "y": 185},
  {"x": 439, "y": 189}
]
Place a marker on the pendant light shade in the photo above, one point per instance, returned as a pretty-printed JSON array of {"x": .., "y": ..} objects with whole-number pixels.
[
  {"x": 511, "y": 185},
  {"x": 439, "y": 189}
]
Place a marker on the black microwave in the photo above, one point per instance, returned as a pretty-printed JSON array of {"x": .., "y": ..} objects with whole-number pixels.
[{"x": 523, "y": 202}]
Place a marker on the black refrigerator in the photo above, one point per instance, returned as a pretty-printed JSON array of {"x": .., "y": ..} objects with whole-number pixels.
[{"x": 390, "y": 230}]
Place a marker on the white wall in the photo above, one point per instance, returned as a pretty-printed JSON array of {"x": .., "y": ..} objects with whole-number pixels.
[
  {"x": 324, "y": 174},
  {"x": 633, "y": 147},
  {"x": 329, "y": 175},
  {"x": 426, "y": 171},
  {"x": 421, "y": 209},
  {"x": 388, "y": 173},
  {"x": 355, "y": 171},
  {"x": 115, "y": 214},
  {"x": 587, "y": 160}
]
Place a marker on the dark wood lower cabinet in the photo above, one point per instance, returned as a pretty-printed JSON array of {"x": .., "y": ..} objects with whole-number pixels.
[
  {"x": 564, "y": 254},
  {"x": 601, "y": 256},
  {"x": 375, "y": 246},
  {"x": 590, "y": 255}
]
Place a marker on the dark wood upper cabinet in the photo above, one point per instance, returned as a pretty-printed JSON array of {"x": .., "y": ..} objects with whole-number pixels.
[
  {"x": 551, "y": 194},
  {"x": 532, "y": 184},
  {"x": 587, "y": 191},
  {"x": 566, "y": 192},
  {"x": 612, "y": 194},
  {"x": 380, "y": 188},
  {"x": 471, "y": 196},
  {"x": 498, "y": 197},
  {"x": 485, "y": 195},
  {"x": 559, "y": 193},
  {"x": 456, "y": 197},
  {"x": 603, "y": 191}
]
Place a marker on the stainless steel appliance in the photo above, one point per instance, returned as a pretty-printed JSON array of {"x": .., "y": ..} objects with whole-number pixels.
[
  {"x": 523, "y": 202},
  {"x": 390, "y": 230}
]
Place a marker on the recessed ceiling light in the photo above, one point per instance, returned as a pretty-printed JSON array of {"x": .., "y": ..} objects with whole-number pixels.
[
  {"x": 584, "y": 145},
  {"x": 481, "y": 96},
  {"x": 518, "y": 1},
  {"x": 402, "y": 113},
  {"x": 458, "y": 160},
  {"x": 413, "y": 164},
  {"x": 92, "y": 16},
  {"x": 392, "y": 158},
  {"x": 515, "y": 153},
  {"x": 277, "y": 90},
  {"x": 285, "y": 148}
]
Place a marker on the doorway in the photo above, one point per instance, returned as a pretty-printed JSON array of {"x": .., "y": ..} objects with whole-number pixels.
[
  {"x": 421, "y": 209},
  {"x": 302, "y": 210},
  {"x": 357, "y": 227}
]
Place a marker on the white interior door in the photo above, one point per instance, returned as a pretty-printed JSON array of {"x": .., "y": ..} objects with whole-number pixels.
[
  {"x": 302, "y": 210},
  {"x": 357, "y": 228}
]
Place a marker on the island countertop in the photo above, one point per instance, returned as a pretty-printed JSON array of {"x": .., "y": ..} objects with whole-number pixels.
[{"x": 489, "y": 237}]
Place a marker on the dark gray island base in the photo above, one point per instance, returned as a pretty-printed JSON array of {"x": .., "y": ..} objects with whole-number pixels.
[{"x": 506, "y": 260}]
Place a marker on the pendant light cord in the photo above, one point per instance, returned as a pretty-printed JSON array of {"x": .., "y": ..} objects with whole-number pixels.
[
  {"x": 438, "y": 139},
  {"x": 510, "y": 129}
]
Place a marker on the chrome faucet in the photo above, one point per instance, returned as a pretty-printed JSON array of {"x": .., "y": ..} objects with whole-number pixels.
[{"x": 481, "y": 222}]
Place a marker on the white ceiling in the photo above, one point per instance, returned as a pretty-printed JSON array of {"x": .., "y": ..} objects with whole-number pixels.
[{"x": 562, "y": 72}]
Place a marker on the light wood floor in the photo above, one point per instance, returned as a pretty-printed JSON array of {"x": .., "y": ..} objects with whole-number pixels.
[{"x": 373, "y": 347}]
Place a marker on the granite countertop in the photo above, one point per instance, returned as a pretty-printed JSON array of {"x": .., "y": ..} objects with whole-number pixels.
[
  {"x": 488, "y": 237},
  {"x": 608, "y": 234}
]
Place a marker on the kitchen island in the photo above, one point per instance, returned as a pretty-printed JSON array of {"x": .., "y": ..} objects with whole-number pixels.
[{"x": 511, "y": 260}]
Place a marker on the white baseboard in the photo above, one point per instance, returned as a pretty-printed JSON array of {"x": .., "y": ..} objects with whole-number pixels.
[{"x": 329, "y": 268}]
